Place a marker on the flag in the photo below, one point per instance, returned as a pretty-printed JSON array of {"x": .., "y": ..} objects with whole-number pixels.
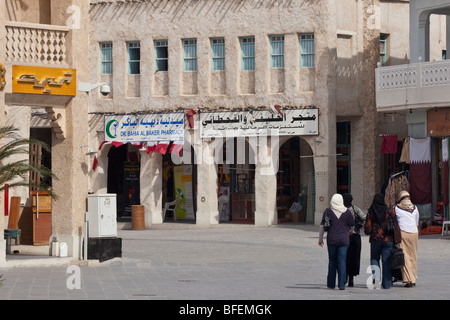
[
  {"x": 190, "y": 115},
  {"x": 275, "y": 109},
  {"x": 420, "y": 170},
  {"x": 151, "y": 147},
  {"x": 161, "y": 148},
  {"x": 445, "y": 170},
  {"x": 389, "y": 144},
  {"x": 95, "y": 164},
  {"x": 176, "y": 148}
]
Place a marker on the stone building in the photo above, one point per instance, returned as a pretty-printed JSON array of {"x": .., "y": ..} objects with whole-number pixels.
[
  {"x": 417, "y": 91},
  {"x": 226, "y": 60},
  {"x": 43, "y": 45}
]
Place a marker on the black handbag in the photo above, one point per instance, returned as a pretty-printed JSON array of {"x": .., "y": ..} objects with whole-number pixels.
[
  {"x": 327, "y": 223},
  {"x": 397, "y": 258}
]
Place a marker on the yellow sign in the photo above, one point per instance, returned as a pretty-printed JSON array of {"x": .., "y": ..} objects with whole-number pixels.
[
  {"x": 43, "y": 80},
  {"x": 2, "y": 77}
]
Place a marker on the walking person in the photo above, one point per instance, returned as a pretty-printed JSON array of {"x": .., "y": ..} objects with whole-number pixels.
[
  {"x": 338, "y": 240},
  {"x": 382, "y": 227},
  {"x": 354, "y": 249},
  {"x": 408, "y": 221}
]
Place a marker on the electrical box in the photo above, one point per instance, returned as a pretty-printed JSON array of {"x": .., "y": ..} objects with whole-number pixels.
[{"x": 102, "y": 215}]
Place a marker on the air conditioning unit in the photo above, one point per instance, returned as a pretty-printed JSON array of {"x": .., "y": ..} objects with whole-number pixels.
[{"x": 102, "y": 215}]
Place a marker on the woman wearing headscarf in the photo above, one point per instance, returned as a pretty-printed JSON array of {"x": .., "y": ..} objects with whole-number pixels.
[
  {"x": 341, "y": 223},
  {"x": 381, "y": 238},
  {"x": 408, "y": 220},
  {"x": 354, "y": 249}
]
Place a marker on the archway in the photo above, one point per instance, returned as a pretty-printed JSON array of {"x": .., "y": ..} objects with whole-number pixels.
[{"x": 295, "y": 181}]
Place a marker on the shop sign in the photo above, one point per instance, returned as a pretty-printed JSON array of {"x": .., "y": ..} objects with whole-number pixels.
[
  {"x": 2, "y": 76},
  {"x": 44, "y": 81},
  {"x": 438, "y": 122},
  {"x": 301, "y": 122},
  {"x": 165, "y": 127}
]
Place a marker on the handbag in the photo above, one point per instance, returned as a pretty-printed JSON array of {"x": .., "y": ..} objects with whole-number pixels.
[
  {"x": 327, "y": 223},
  {"x": 397, "y": 258}
]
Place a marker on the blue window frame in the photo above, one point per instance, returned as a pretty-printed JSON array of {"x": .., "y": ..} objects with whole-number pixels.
[
  {"x": 307, "y": 51},
  {"x": 106, "y": 57},
  {"x": 190, "y": 55},
  {"x": 248, "y": 53},
  {"x": 218, "y": 54},
  {"x": 134, "y": 57},
  {"x": 383, "y": 48},
  {"x": 161, "y": 55},
  {"x": 277, "y": 52}
]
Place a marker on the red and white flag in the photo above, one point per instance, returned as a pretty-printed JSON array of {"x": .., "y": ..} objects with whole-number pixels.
[
  {"x": 176, "y": 148},
  {"x": 420, "y": 170},
  {"x": 161, "y": 148}
]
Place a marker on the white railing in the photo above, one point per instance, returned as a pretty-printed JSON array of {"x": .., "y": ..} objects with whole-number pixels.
[
  {"x": 36, "y": 43},
  {"x": 424, "y": 74}
]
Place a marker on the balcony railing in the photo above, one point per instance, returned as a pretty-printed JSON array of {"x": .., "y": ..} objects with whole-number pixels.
[
  {"x": 36, "y": 43},
  {"x": 413, "y": 85}
]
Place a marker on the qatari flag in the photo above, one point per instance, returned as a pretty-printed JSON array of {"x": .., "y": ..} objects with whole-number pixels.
[
  {"x": 445, "y": 170},
  {"x": 420, "y": 170}
]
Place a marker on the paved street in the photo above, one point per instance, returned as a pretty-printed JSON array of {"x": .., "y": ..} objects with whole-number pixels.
[{"x": 231, "y": 262}]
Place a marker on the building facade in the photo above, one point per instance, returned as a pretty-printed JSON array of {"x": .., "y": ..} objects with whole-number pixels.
[
  {"x": 417, "y": 90},
  {"x": 43, "y": 45},
  {"x": 238, "y": 60}
]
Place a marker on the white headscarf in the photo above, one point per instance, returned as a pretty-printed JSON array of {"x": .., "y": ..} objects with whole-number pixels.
[{"x": 337, "y": 203}]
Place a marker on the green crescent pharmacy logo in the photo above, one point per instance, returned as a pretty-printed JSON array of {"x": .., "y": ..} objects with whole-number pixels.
[{"x": 108, "y": 129}]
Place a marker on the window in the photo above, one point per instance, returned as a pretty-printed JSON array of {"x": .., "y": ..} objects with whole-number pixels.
[
  {"x": 106, "y": 57},
  {"x": 134, "y": 57},
  {"x": 307, "y": 53},
  {"x": 190, "y": 55},
  {"x": 162, "y": 55},
  {"x": 383, "y": 48},
  {"x": 218, "y": 54},
  {"x": 248, "y": 53},
  {"x": 277, "y": 52}
]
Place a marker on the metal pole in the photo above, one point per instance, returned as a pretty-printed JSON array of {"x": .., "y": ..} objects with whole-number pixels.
[{"x": 86, "y": 226}]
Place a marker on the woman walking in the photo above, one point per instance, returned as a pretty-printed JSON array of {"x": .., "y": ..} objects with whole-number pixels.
[
  {"x": 354, "y": 249},
  {"x": 383, "y": 230},
  {"x": 408, "y": 220},
  {"x": 341, "y": 222}
]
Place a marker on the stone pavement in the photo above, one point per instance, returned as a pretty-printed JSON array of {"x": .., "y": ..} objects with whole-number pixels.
[{"x": 227, "y": 262}]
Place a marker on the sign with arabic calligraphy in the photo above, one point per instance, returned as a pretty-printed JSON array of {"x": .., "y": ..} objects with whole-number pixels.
[
  {"x": 259, "y": 123},
  {"x": 44, "y": 80},
  {"x": 165, "y": 127}
]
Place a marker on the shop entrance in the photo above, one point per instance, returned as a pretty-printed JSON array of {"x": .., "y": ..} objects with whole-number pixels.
[
  {"x": 178, "y": 190},
  {"x": 236, "y": 182},
  {"x": 124, "y": 178},
  {"x": 294, "y": 181}
]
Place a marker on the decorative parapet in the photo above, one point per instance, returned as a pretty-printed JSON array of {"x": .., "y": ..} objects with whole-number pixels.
[
  {"x": 417, "y": 85},
  {"x": 36, "y": 43}
]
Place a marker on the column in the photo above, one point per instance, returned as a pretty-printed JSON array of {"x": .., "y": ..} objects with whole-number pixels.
[
  {"x": 266, "y": 181},
  {"x": 151, "y": 188},
  {"x": 207, "y": 199},
  {"x": 68, "y": 159}
]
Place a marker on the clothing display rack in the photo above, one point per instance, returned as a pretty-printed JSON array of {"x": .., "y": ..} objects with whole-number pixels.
[{"x": 397, "y": 182}]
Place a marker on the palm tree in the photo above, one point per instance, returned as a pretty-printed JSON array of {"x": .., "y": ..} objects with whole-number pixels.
[{"x": 16, "y": 174}]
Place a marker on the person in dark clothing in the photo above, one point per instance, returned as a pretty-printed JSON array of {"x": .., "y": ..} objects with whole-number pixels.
[
  {"x": 338, "y": 240},
  {"x": 354, "y": 249},
  {"x": 381, "y": 238}
]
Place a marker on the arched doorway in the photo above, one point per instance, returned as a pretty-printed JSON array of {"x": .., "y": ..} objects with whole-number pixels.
[{"x": 295, "y": 181}]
